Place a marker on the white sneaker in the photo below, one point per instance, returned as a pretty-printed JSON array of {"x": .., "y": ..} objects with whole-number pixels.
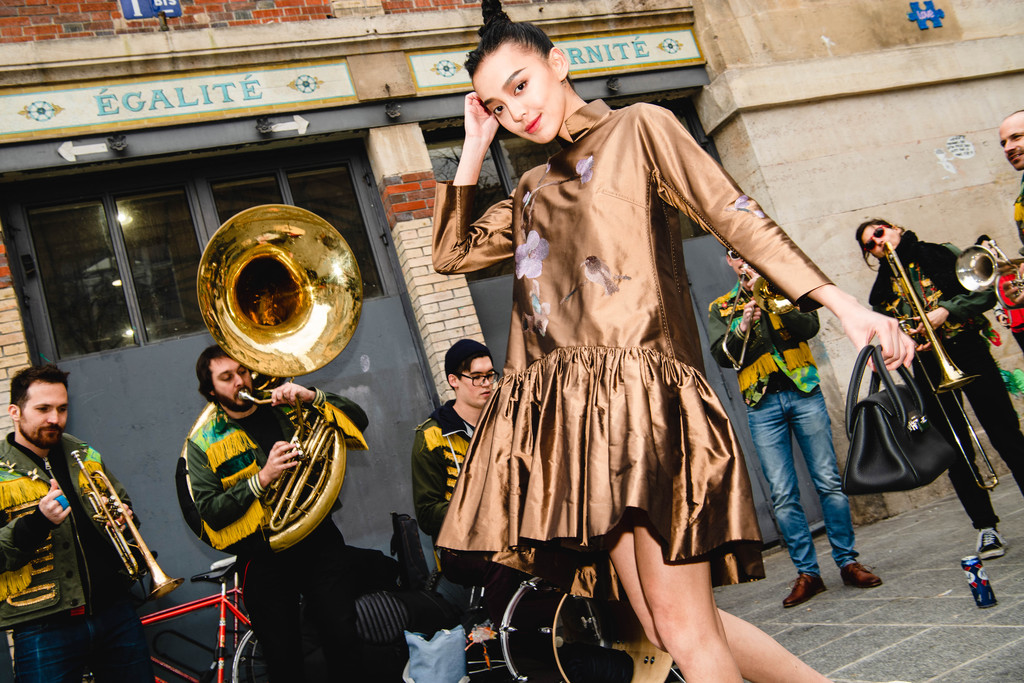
[{"x": 991, "y": 544}]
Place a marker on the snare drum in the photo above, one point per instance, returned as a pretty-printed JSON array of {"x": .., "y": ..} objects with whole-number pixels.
[{"x": 546, "y": 635}]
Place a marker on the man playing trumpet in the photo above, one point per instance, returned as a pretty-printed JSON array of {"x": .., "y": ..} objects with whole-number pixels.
[
  {"x": 779, "y": 381},
  {"x": 234, "y": 458},
  {"x": 64, "y": 586},
  {"x": 957, "y": 317}
]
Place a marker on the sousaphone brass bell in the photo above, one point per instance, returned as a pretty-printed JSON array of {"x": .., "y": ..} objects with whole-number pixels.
[{"x": 280, "y": 290}]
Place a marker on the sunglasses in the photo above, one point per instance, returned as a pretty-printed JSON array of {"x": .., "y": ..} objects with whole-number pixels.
[
  {"x": 876, "y": 235},
  {"x": 732, "y": 254}
]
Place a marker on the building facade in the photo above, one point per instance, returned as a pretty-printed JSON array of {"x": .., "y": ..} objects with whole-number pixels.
[{"x": 129, "y": 132}]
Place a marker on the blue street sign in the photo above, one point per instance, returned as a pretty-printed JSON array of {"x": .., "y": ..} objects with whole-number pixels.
[{"x": 144, "y": 9}]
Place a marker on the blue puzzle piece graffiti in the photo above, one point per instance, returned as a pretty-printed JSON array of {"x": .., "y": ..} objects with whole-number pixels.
[{"x": 923, "y": 16}]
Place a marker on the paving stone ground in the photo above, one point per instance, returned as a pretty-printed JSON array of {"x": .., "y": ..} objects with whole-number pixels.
[{"x": 922, "y": 623}]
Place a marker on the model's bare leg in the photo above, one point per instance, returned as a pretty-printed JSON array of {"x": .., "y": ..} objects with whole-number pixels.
[{"x": 676, "y": 604}]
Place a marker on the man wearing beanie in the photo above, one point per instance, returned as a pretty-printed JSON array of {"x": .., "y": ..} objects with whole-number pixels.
[{"x": 437, "y": 456}]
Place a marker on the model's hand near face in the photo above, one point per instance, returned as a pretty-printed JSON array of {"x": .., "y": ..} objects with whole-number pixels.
[
  {"x": 481, "y": 127},
  {"x": 480, "y": 123}
]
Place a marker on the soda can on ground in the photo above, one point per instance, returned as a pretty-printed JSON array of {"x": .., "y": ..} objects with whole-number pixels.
[{"x": 977, "y": 579}]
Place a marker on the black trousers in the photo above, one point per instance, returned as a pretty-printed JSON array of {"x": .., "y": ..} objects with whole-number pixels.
[
  {"x": 994, "y": 410},
  {"x": 317, "y": 568},
  {"x": 1019, "y": 336}
]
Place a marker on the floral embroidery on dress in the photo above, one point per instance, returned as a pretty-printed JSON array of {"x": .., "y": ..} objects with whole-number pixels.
[
  {"x": 533, "y": 249},
  {"x": 747, "y": 205},
  {"x": 585, "y": 169},
  {"x": 530, "y": 256},
  {"x": 538, "y": 320}
]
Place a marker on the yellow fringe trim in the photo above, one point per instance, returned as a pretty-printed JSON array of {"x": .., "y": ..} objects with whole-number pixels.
[
  {"x": 15, "y": 581},
  {"x": 244, "y": 526},
  {"x": 762, "y": 367},
  {"x": 800, "y": 357},
  {"x": 88, "y": 466},
  {"x": 231, "y": 445},
  {"x": 353, "y": 437},
  {"x": 244, "y": 473},
  {"x": 14, "y": 493},
  {"x": 20, "y": 491}
]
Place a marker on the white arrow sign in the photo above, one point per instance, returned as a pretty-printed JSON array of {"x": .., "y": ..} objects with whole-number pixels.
[
  {"x": 298, "y": 124},
  {"x": 71, "y": 153}
]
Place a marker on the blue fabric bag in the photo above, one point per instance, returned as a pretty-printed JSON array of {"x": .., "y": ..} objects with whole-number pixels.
[{"x": 442, "y": 659}]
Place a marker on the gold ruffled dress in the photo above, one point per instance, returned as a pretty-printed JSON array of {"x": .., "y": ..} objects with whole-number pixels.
[{"x": 603, "y": 405}]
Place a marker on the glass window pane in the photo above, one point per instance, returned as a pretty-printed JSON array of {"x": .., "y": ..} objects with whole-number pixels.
[
  {"x": 164, "y": 258},
  {"x": 328, "y": 192},
  {"x": 444, "y": 158},
  {"x": 81, "y": 283},
  {"x": 232, "y": 196}
]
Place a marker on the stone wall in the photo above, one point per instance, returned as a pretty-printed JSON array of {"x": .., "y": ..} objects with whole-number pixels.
[{"x": 833, "y": 113}]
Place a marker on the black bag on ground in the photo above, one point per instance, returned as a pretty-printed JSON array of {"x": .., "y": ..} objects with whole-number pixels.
[
  {"x": 892, "y": 445},
  {"x": 405, "y": 543}
]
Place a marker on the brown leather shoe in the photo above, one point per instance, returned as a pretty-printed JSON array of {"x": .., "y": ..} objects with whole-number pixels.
[
  {"x": 855, "y": 574},
  {"x": 805, "y": 588}
]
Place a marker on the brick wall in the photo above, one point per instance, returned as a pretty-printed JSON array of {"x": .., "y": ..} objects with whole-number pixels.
[
  {"x": 408, "y": 196},
  {"x": 442, "y": 304},
  {"x": 13, "y": 350},
  {"x": 28, "y": 20}
]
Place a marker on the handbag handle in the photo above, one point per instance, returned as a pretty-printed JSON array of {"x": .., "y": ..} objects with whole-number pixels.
[{"x": 911, "y": 417}]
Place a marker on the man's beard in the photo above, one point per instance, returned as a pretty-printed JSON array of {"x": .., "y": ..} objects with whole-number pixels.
[
  {"x": 45, "y": 437},
  {"x": 233, "y": 404}
]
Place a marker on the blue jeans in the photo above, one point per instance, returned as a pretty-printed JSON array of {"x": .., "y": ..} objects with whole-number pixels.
[
  {"x": 772, "y": 421},
  {"x": 59, "y": 649}
]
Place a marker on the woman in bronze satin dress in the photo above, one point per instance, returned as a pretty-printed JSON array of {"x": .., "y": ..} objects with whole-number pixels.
[{"x": 603, "y": 457}]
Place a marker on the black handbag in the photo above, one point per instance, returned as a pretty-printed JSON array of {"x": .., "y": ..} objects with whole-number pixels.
[{"x": 893, "y": 447}]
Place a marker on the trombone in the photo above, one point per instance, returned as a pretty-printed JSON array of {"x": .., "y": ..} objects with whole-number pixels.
[
  {"x": 952, "y": 377},
  {"x": 108, "y": 508},
  {"x": 766, "y": 298}
]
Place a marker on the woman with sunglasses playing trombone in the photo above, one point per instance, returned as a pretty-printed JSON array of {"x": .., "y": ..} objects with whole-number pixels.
[{"x": 957, "y": 316}]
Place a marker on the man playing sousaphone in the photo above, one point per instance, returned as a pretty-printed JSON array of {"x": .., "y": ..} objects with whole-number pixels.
[
  {"x": 957, "y": 317},
  {"x": 63, "y": 585},
  {"x": 234, "y": 459}
]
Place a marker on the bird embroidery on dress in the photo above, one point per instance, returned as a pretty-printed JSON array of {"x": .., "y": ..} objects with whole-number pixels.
[{"x": 598, "y": 272}]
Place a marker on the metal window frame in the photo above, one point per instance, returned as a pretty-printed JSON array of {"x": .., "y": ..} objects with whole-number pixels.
[{"x": 193, "y": 177}]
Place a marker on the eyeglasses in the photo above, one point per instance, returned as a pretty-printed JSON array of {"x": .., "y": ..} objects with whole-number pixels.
[
  {"x": 876, "y": 235},
  {"x": 483, "y": 380}
]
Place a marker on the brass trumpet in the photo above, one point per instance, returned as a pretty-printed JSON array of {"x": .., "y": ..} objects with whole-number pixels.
[
  {"x": 767, "y": 299},
  {"x": 107, "y": 508},
  {"x": 952, "y": 377}
]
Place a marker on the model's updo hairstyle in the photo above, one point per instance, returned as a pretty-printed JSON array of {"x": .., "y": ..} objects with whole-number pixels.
[{"x": 498, "y": 29}]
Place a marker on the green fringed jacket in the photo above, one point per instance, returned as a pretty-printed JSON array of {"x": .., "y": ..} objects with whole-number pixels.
[
  {"x": 44, "y": 579},
  {"x": 223, "y": 463},
  {"x": 777, "y": 344}
]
